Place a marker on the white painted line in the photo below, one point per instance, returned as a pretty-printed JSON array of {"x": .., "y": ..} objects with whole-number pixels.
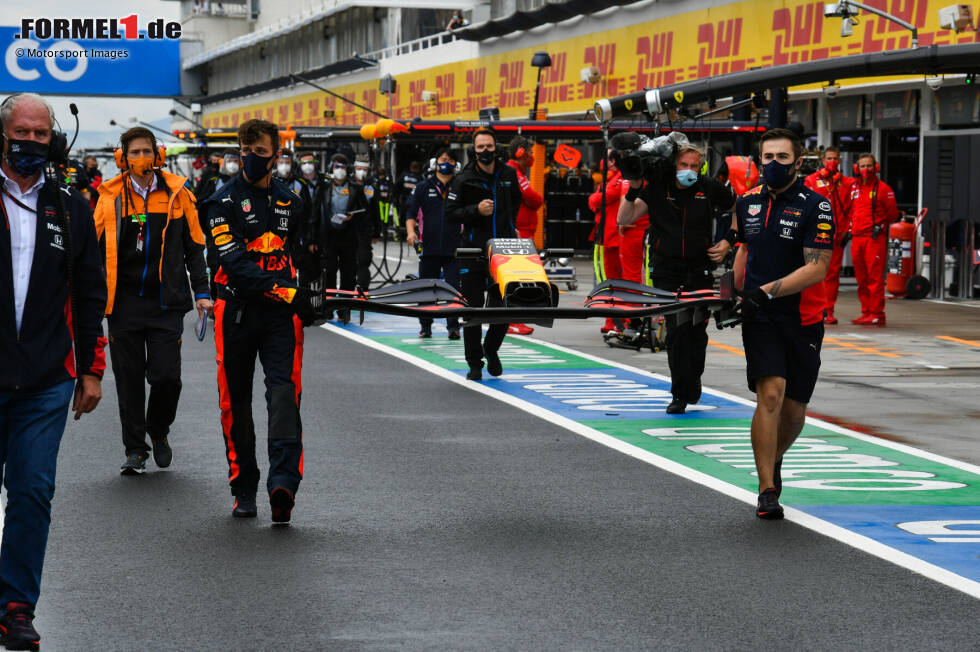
[
  {"x": 818, "y": 525},
  {"x": 961, "y": 304},
  {"x": 929, "y": 365}
]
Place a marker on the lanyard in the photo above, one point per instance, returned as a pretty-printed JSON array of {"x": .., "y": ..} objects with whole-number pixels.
[{"x": 16, "y": 201}]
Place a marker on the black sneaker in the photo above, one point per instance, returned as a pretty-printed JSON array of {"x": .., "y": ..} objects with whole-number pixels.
[
  {"x": 777, "y": 477},
  {"x": 454, "y": 333},
  {"x": 135, "y": 464},
  {"x": 163, "y": 455},
  {"x": 245, "y": 506},
  {"x": 282, "y": 502},
  {"x": 475, "y": 373},
  {"x": 425, "y": 333},
  {"x": 17, "y": 628},
  {"x": 494, "y": 368},
  {"x": 769, "y": 506},
  {"x": 677, "y": 406}
]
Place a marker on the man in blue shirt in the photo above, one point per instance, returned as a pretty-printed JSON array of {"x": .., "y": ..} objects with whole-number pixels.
[
  {"x": 787, "y": 231},
  {"x": 426, "y": 212}
]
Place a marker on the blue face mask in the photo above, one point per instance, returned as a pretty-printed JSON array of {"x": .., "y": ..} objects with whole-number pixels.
[
  {"x": 27, "y": 157},
  {"x": 778, "y": 175},
  {"x": 446, "y": 168},
  {"x": 255, "y": 167},
  {"x": 687, "y": 178}
]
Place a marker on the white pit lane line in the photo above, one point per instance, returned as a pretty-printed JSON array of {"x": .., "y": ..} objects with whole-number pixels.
[{"x": 843, "y": 535}]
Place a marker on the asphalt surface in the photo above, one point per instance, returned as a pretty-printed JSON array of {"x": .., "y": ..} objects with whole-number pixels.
[{"x": 436, "y": 518}]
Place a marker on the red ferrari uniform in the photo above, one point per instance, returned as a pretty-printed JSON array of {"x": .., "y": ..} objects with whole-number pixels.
[
  {"x": 872, "y": 205},
  {"x": 531, "y": 200},
  {"x": 837, "y": 188},
  {"x": 631, "y": 254},
  {"x": 611, "y": 241}
]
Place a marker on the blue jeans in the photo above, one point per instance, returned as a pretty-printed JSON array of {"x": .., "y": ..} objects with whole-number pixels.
[{"x": 31, "y": 425}]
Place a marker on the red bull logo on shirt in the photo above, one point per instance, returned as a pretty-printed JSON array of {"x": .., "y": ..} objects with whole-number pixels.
[{"x": 266, "y": 243}]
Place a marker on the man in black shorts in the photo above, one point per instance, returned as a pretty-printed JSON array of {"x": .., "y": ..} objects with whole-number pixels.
[{"x": 787, "y": 231}]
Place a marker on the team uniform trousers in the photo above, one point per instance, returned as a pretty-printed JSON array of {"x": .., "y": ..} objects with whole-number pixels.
[
  {"x": 631, "y": 254},
  {"x": 831, "y": 282},
  {"x": 144, "y": 347},
  {"x": 340, "y": 255},
  {"x": 363, "y": 259},
  {"x": 869, "y": 256},
  {"x": 444, "y": 267},
  {"x": 610, "y": 262},
  {"x": 474, "y": 284},
  {"x": 242, "y": 331},
  {"x": 687, "y": 342}
]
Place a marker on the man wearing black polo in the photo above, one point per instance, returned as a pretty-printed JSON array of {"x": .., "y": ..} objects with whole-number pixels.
[
  {"x": 788, "y": 235},
  {"x": 484, "y": 198},
  {"x": 682, "y": 208}
]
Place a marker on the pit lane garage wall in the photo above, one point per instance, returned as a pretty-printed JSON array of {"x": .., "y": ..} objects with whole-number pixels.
[{"x": 688, "y": 45}]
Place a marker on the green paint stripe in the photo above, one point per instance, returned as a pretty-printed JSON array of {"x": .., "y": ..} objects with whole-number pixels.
[
  {"x": 514, "y": 354},
  {"x": 731, "y": 460},
  {"x": 873, "y": 474}
]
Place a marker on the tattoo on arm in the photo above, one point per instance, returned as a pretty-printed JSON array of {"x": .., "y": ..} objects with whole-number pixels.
[
  {"x": 816, "y": 256},
  {"x": 774, "y": 289}
]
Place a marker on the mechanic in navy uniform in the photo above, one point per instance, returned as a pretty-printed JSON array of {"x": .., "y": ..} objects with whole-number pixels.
[
  {"x": 426, "y": 212},
  {"x": 787, "y": 231},
  {"x": 682, "y": 207},
  {"x": 254, "y": 222},
  {"x": 207, "y": 186},
  {"x": 288, "y": 171},
  {"x": 484, "y": 198},
  {"x": 405, "y": 186}
]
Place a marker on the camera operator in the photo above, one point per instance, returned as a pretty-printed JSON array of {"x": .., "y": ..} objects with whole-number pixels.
[{"x": 682, "y": 206}]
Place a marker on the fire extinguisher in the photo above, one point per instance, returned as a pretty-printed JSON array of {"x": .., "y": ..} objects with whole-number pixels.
[{"x": 901, "y": 280}]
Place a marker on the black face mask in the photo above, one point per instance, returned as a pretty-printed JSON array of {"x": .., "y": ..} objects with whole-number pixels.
[
  {"x": 256, "y": 167},
  {"x": 486, "y": 156},
  {"x": 27, "y": 157}
]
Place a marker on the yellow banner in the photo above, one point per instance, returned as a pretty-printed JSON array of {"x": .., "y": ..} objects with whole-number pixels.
[{"x": 731, "y": 37}]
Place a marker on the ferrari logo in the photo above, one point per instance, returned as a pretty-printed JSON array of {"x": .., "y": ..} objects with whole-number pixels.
[
  {"x": 629, "y": 105},
  {"x": 679, "y": 97}
]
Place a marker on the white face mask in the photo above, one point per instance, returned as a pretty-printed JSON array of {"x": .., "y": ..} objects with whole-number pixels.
[
  {"x": 232, "y": 167},
  {"x": 283, "y": 169},
  {"x": 307, "y": 168},
  {"x": 360, "y": 174},
  {"x": 339, "y": 174}
]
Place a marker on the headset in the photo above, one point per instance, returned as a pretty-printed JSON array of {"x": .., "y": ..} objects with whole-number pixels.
[
  {"x": 57, "y": 147},
  {"x": 522, "y": 148},
  {"x": 871, "y": 156},
  {"x": 159, "y": 158},
  {"x": 824, "y": 173}
]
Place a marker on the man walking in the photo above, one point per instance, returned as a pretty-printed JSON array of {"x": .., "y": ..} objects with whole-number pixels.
[{"x": 48, "y": 252}]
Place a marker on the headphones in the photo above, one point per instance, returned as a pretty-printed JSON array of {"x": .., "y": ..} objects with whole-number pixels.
[
  {"x": 57, "y": 147},
  {"x": 159, "y": 158},
  {"x": 877, "y": 165},
  {"x": 521, "y": 150},
  {"x": 824, "y": 173}
]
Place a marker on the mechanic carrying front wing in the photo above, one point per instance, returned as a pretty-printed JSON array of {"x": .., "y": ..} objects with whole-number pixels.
[{"x": 484, "y": 198}]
